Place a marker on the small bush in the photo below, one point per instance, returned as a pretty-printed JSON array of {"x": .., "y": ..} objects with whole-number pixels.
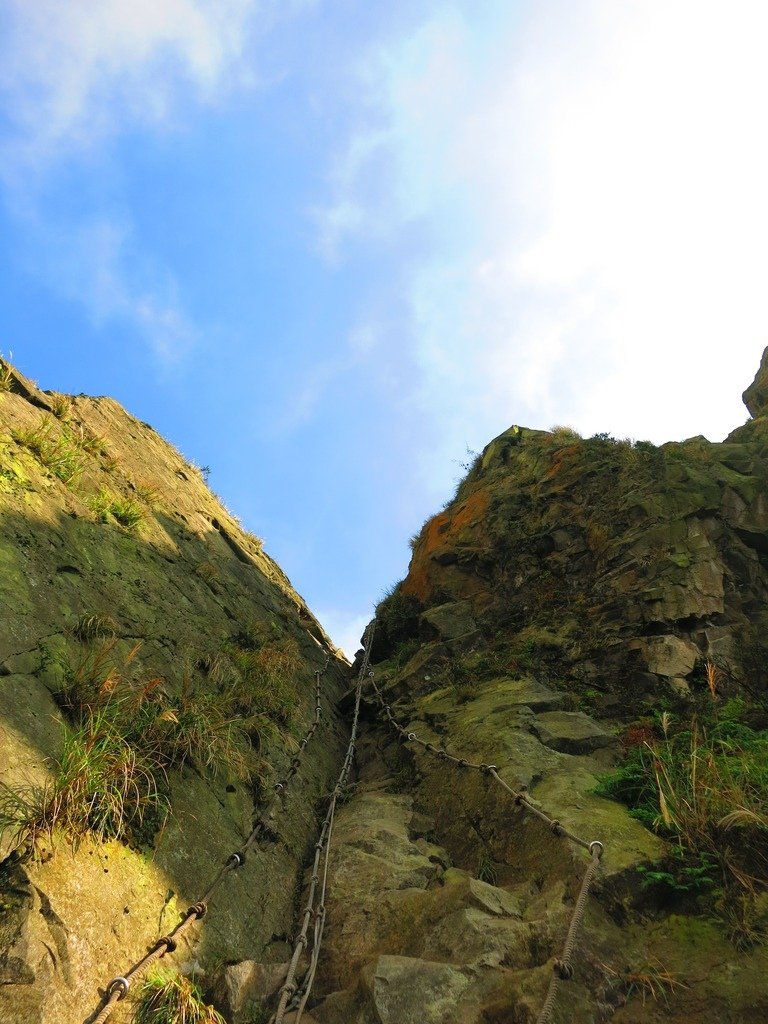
[
  {"x": 61, "y": 407},
  {"x": 168, "y": 997},
  {"x": 705, "y": 786}
]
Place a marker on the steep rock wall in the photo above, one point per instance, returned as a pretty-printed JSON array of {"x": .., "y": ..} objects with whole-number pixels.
[{"x": 119, "y": 568}]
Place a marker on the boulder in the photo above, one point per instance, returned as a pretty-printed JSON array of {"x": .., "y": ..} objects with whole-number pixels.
[
  {"x": 669, "y": 655},
  {"x": 571, "y": 732},
  {"x": 451, "y": 620}
]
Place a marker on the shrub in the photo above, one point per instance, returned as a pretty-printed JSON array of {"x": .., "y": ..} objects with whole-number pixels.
[
  {"x": 705, "y": 786},
  {"x": 168, "y": 997},
  {"x": 61, "y": 406}
]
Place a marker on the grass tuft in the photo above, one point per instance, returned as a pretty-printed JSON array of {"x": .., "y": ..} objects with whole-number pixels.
[
  {"x": 6, "y": 376},
  {"x": 107, "y": 506},
  {"x": 168, "y": 997},
  {"x": 57, "y": 451}
]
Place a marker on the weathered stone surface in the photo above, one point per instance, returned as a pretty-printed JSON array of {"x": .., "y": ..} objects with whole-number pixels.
[
  {"x": 451, "y": 620},
  {"x": 239, "y": 991},
  {"x": 171, "y": 594},
  {"x": 669, "y": 655},
  {"x": 407, "y": 989},
  {"x": 571, "y": 732}
]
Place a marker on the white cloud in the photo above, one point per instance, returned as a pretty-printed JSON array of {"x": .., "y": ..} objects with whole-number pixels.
[
  {"x": 595, "y": 176},
  {"x": 74, "y": 72},
  {"x": 96, "y": 264}
]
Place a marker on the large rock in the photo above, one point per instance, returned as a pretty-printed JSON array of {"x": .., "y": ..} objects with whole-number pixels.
[
  {"x": 451, "y": 620},
  {"x": 571, "y": 732},
  {"x": 669, "y": 655}
]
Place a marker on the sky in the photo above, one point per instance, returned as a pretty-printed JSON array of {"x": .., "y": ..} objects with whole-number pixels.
[{"x": 329, "y": 247}]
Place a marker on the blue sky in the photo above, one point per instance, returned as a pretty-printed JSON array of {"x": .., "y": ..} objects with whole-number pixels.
[{"x": 325, "y": 246}]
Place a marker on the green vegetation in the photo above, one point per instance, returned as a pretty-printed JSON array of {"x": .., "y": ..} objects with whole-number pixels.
[
  {"x": 704, "y": 786},
  {"x": 107, "y": 506},
  {"x": 57, "y": 451},
  {"x": 486, "y": 872},
  {"x": 104, "y": 785},
  {"x": 127, "y": 732},
  {"x": 168, "y": 997},
  {"x": 61, "y": 407},
  {"x": 6, "y": 377}
]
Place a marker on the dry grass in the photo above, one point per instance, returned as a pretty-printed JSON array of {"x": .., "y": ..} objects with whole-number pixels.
[{"x": 168, "y": 997}]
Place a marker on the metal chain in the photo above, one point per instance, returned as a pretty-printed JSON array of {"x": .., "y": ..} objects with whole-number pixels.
[
  {"x": 291, "y": 993},
  {"x": 562, "y": 968},
  {"x": 118, "y": 987}
]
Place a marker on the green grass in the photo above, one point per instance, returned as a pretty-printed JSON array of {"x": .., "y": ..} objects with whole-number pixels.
[
  {"x": 107, "y": 507},
  {"x": 703, "y": 786},
  {"x": 103, "y": 785},
  {"x": 54, "y": 449},
  {"x": 168, "y": 997},
  {"x": 127, "y": 732}
]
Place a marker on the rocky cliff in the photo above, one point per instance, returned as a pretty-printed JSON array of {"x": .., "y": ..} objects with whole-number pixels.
[
  {"x": 586, "y": 615},
  {"x": 157, "y": 670}
]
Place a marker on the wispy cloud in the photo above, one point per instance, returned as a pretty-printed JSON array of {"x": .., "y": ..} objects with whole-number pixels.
[
  {"x": 97, "y": 264},
  {"x": 72, "y": 73},
  {"x": 595, "y": 180},
  {"x": 75, "y": 75}
]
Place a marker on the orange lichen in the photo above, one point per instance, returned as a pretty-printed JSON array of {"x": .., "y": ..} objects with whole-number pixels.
[{"x": 444, "y": 531}]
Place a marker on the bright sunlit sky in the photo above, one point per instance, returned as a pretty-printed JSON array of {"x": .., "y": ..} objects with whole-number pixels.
[{"x": 325, "y": 246}]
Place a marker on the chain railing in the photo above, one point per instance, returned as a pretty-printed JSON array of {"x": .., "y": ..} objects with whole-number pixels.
[
  {"x": 118, "y": 987},
  {"x": 562, "y": 968},
  {"x": 294, "y": 995}
]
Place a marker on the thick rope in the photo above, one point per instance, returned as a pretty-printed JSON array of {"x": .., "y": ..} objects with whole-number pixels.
[
  {"x": 562, "y": 968},
  {"x": 118, "y": 988}
]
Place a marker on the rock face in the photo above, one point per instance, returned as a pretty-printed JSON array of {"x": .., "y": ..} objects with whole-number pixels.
[
  {"x": 573, "y": 596},
  {"x": 116, "y": 561},
  {"x": 571, "y": 587}
]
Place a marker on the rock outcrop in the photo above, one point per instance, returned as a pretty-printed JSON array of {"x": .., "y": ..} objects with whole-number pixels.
[
  {"x": 119, "y": 567},
  {"x": 572, "y": 590}
]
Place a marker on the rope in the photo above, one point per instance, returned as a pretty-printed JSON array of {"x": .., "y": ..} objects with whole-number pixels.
[
  {"x": 562, "y": 968},
  {"x": 118, "y": 987},
  {"x": 292, "y": 994}
]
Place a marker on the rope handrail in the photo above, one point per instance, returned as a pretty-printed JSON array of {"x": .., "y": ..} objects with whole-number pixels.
[
  {"x": 118, "y": 987},
  {"x": 293, "y": 995},
  {"x": 562, "y": 968}
]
